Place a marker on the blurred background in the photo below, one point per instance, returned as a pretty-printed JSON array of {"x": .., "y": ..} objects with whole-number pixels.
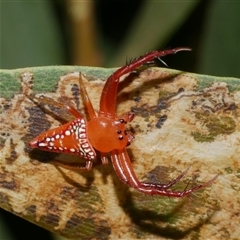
[{"x": 105, "y": 33}]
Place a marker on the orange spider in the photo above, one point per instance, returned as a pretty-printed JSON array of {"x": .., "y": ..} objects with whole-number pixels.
[{"x": 106, "y": 133}]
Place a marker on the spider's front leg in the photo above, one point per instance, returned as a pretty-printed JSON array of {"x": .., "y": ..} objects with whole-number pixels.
[
  {"x": 125, "y": 172},
  {"x": 110, "y": 90}
]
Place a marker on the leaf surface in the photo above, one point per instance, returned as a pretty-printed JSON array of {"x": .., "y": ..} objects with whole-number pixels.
[{"x": 181, "y": 119}]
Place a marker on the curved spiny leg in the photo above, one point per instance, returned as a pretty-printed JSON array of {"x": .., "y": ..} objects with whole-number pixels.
[
  {"x": 111, "y": 86},
  {"x": 168, "y": 185},
  {"x": 124, "y": 170}
]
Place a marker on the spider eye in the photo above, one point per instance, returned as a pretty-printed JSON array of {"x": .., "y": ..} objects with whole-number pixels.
[
  {"x": 122, "y": 121},
  {"x": 120, "y": 137}
]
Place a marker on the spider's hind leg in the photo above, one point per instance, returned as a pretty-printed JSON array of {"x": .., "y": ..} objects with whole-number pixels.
[
  {"x": 169, "y": 184},
  {"x": 74, "y": 166},
  {"x": 43, "y": 100},
  {"x": 86, "y": 100}
]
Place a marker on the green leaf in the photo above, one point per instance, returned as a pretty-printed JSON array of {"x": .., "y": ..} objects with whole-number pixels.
[{"x": 181, "y": 119}]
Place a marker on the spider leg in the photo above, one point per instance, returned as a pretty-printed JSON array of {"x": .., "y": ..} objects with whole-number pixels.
[
  {"x": 124, "y": 171},
  {"x": 104, "y": 158},
  {"x": 170, "y": 184},
  {"x": 109, "y": 93},
  {"x": 86, "y": 100},
  {"x": 78, "y": 167},
  {"x": 50, "y": 101},
  {"x": 74, "y": 166}
]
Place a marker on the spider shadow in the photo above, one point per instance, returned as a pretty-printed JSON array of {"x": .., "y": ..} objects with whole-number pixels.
[
  {"x": 145, "y": 219},
  {"x": 49, "y": 157},
  {"x": 155, "y": 215},
  {"x": 55, "y": 109},
  {"x": 141, "y": 218},
  {"x": 151, "y": 83}
]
